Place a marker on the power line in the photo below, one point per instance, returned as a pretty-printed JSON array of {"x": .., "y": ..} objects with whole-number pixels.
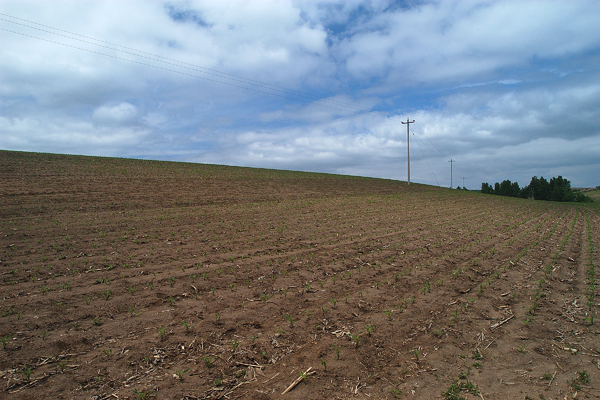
[
  {"x": 172, "y": 70},
  {"x": 439, "y": 151},
  {"x": 154, "y": 57},
  {"x": 426, "y": 160}
]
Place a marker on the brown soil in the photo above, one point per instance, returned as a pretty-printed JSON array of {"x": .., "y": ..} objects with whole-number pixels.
[{"x": 137, "y": 279}]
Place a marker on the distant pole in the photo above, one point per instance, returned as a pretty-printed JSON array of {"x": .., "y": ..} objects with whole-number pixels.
[
  {"x": 408, "y": 122},
  {"x": 451, "y": 161},
  {"x": 463, "y": 181}
]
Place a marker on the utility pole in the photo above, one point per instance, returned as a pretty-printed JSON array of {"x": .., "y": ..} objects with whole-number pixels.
[
  {"x": 463, "y": 183},
  {"x": 408, "y": 122},
  {"x": 451, "y": 161}
]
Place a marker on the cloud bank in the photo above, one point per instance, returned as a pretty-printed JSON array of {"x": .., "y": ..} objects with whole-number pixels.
[{"x": 507, "y": 89}]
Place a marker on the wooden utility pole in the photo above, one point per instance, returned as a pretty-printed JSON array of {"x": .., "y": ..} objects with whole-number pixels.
[
  {"x": 451, "y": 161},
  {"x": 408, "y": 122}
]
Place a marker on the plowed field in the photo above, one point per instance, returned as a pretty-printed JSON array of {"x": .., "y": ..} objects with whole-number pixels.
[{"x": 129, "y": 279}]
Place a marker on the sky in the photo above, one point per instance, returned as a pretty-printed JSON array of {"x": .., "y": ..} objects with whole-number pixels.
[{"x": 504, "y": 89}]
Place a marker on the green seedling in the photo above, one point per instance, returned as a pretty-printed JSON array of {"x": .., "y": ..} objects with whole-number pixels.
[
  {"x": 426, "y": 287},
  {"x": 62, "y": 365},
  {"x": 132, "y": 289},
  {"x": 217, "y": 316},
  {"x": 290, "y": 320},
  {"x": 370, "y": 329},
  {"x": 87, "y": 300},
  {"x": 171, "y": 281},
  {"x": 583, "y": 377},
  {"x": 218, "y": 382},
  {"x": 324, "y": 363},
  {"x": 106, "y": 294},
  {"x": 27, "y": 372},
  {"x": 171, "y": 301},
  {"x": 454, "y": 318},
  {"x": 209, "y": 361},
  {"x": 132, "y": 312},
  {"x": 388, "y": 313},
  {"x": 5, "y": 340},
  {"x": 161, "y": 332},
  {"x": 187, "y": 327},
  {"x": 140, "y": 395},
  {"x": 395, "y": 392},
  {"x": 107, "y": 352},
  {"x": 303, "y": 376},
  {"x": 234, "y": 344},
  {"x": 180, "y": 373},
  {"x": 337, "y": 350},
  {"x": 416, "y": 353},
  {"x": 355, "y": 339},
  {"x": 97, "y": 321}
]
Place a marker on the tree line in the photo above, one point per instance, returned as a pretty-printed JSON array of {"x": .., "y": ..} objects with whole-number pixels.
[{"x": 558, "y": 189}]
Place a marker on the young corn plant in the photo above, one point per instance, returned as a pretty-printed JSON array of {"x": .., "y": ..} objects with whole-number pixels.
[
  {"x": 140, "y": 395},
  {"x": 290, "y": 320},
  {"x": 132, "y": 312},
  {"x": 179, "y": 374},
  {"x": 5, "y": 340},
  {"x": 27, "y": 372},
  {"x": 209, "y": 361},
  {"x": 162, "y": 333},
  {"x": 416, "y": 353},
  {"x": 370, "y": 329},
  {"x": 337, "y": 350}
]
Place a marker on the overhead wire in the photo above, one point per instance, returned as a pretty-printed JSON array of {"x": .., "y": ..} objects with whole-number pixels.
[
  {"x": 426, "y": 160},
  {"x": 287, "y": 93},
  {"x": 422, "y": 132}
]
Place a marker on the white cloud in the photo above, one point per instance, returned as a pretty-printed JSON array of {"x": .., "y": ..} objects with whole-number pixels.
[
  {"x": 121, "y": 114},
  {"x": 485, "y": 80}
]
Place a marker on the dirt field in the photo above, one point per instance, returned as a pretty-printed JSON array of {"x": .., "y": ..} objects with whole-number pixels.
[{"x": 128, "y": 279}]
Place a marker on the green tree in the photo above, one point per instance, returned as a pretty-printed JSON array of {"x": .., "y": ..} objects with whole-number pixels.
[{"x": 486, "y": 188}]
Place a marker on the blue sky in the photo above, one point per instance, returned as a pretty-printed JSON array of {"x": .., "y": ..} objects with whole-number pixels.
[{"x": 507, "y": 89}]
